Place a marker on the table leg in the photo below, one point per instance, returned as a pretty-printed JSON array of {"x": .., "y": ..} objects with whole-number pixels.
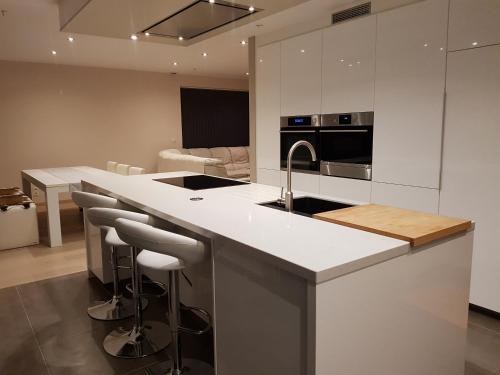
[
  {"x": 27, "y": 187},
  {"x": 53, "y": 217}
]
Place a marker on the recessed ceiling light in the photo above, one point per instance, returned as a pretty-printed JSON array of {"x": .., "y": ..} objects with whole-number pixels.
[
  {"x": 341, "y": 60},
  {"x": 180, "y": 38},
  {"x": 211, "y": 1},
  {"x": 243, "y": 42},
  {"x": 426, "y": 45},
  {"x": 71, "y": 39},
  {"x": 358, "y": 62},
  {"x": 175, "y": 63},
  {"x": 54, "y": 52},
  {"x": 147, "y": 34},
  {"x": 474, "y": 43},
  {"x": 260, "y": 60},
  {"x": 247, "y": 74},
  {"x": 441, "y": 49},
  {"x": 350, "y": 65},
  {"x": 204, "y": 54},
  {"x": 133, "y": 37},
  {"x": 251, "y": 9},
  {"x": 302, "y": 51}
]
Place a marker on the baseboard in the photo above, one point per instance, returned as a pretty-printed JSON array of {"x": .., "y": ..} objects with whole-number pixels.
[{"x": 485, "y": 311}]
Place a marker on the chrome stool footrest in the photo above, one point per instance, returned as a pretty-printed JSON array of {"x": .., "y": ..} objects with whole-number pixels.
[
  {"x": 201, "y": 311},
  {"x": 162, "y": 286}
]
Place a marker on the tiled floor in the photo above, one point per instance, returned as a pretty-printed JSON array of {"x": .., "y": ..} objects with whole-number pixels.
[{"x": 46, "y": 330}]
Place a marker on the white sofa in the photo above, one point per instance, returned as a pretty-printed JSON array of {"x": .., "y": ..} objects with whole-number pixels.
[{"x": 230, "y": 162}]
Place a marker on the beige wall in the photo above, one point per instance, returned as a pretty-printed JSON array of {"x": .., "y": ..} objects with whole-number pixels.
[{"x": 58, "y": 115}]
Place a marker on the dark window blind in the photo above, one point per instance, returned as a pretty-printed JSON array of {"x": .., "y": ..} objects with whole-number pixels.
[{"x": 214, "y": 118}]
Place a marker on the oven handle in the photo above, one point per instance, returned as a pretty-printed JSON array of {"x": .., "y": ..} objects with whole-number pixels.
[
  {"x": 345, "y": 131},
  {"x": 297, "y": 131}
]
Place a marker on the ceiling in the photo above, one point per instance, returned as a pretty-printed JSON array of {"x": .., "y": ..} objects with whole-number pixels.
[{"x": 30, "y": 31}]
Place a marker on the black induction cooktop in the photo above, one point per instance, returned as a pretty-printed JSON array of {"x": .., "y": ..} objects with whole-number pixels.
[{"x": 200, "y": 182}]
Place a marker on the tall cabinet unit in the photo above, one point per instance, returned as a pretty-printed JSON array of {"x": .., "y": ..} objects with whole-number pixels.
[
  {"x": 348, "y": 68},
  {"x": 409, "y": 94},
  {"x": 471, "y": 160},
  {"x": 301, "y": 75},
  {"x": 268, "y": 114}
]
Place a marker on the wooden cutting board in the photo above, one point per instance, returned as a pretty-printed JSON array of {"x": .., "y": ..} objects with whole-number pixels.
[{"x": 418, "y": 228}]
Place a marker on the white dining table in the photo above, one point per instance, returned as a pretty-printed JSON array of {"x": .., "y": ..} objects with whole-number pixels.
[{"x": 53, "y": 181}]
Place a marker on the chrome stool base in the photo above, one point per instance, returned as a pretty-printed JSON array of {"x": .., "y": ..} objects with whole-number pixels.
[
  {"x": 190, "y": 366},
  {"x": 117, "y": 308},
  {"x": 152, "y": 338}
]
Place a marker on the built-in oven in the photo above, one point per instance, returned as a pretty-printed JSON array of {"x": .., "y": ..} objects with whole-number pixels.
[
  {"x": 346, "y": 145},
  {"x": 298, "y": 128}
]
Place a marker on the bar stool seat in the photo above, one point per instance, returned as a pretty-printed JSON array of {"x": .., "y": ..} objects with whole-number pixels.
[
  {"x": 159, "y": 262},
  {"x": 170, "y": 252},
  {"x": 112, "y": 238}
]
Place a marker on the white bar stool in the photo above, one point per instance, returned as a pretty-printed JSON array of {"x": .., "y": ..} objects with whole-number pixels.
[
  {"x": 111, "y": 166},
  {"x": 133, "y": 171},
  {"x": 169, "y": 252},
  {"x": 122, "y": 169},
  {"x": 144, "y": 338},
  {"x": 118, "y": 307}
]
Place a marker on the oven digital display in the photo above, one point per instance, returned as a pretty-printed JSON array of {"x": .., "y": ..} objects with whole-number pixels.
[
  {"x": 345, "y": 119},
  {"x": 299, "y": 120}
]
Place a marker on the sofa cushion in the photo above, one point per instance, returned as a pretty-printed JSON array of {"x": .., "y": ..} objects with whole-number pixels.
[
  {"x": 239, "y": 154},
  {"x": 235, "y": 170},
  {"x": 221, "y": 153},
  {"x": 200, "y": 152}
]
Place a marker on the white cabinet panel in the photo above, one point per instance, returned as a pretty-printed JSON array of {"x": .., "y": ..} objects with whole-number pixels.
[
  {"x": 302, "y": 181},
  {"x": 268, "y": 177},
  {"x": 301, "y": 75},
  {"x": 268, "y": 106},
  {"x": 410, "y": 197},
  {"x": 473, "y": 23},
  {"x": 409, "y": 92},
  {"x": 349, "y": 66},
  {"x": 471, "y": 161},
  {"x": 345, "y": 188}
]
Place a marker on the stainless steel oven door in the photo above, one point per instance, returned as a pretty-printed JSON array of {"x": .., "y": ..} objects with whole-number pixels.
[
  {"x": 302, "y": 161},
  {"x": 346, "y": 151}
]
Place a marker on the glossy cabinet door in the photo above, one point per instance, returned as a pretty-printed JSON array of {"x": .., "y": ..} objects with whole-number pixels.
[
  {"x": 306, "y": 182},
  {"x": 409, "y": 94},
  {"x": 349, "y": 66},
  {"x": 345, "y": 188},
  {"x": 268, "y": 106},
  {"x": 473, "y": 23},
  {"x": 471, "y": 161},
  {"x": 269, "y": 177},
  {"x": 301, "y": 75},
  {"x": 409, "y": 197}
]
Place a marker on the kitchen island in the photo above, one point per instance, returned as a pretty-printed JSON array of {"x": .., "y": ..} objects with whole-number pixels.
[{"x": 295, "y": 295}]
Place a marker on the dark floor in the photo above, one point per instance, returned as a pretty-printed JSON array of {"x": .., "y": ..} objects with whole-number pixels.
[{"x": 46, "y": 331}]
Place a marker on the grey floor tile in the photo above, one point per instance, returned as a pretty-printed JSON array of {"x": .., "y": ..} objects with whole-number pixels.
[
  {"x": 472, "y": 369},
  {"x": 484, "y": 321},
  {"x": 483, "y": 349}
]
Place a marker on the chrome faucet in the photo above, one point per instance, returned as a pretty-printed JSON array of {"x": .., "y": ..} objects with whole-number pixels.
[{"x": 289, "y": 194}]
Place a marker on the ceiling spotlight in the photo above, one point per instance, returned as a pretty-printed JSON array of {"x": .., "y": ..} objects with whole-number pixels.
[
  {"x": 211, "y": 1},
  {"x": 474, "y": 43},
  {"x": 441, "y": 49},
  {"x": 342, "y": 60},
  {"x": 204, "y": 54},
  {"x": 133, "y": 37},
  {"x": 350, "y": 65},
  {"x": 147, "y": 34},
  {"x": 358, "y": 62},
  {"x": 247, "y": 74},
  {"x": 251, "y": 9},
  {"x": 243, "y": 42},
  {"x": 175, "y": 63},
  {"x": 260, "y": 60},
  {"x": 54, "y": 52},
  {"x": 71, "y": 39},
  {"x": 302, "y": 51},
  {"x": 180, "y": 38}
]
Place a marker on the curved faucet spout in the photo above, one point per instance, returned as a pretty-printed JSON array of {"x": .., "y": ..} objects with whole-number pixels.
[{"x": 289, "y": 194}]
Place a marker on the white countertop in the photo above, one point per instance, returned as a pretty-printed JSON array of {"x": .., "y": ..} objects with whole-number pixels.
[{"x": 310, "y": 248}]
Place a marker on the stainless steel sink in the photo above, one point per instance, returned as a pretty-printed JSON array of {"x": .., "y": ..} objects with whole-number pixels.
[{"x": 307, "y": 206}]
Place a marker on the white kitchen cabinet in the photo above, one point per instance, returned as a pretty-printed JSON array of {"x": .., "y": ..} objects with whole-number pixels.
[
  {"x": 471, "y": 161},
  {"x": 268, "y": 107},
  {"x": 269, "y": 177},
  {"x": 349, "y": 66},
  {"x": 301, "y": 74},
  {"x": 410, "y": 197},
  {"x": 345, "y": 188},
  {"x": 473, "y": 23},
  {"x": 306, "y": 182},
  {"x": 409, "y": 94}
]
